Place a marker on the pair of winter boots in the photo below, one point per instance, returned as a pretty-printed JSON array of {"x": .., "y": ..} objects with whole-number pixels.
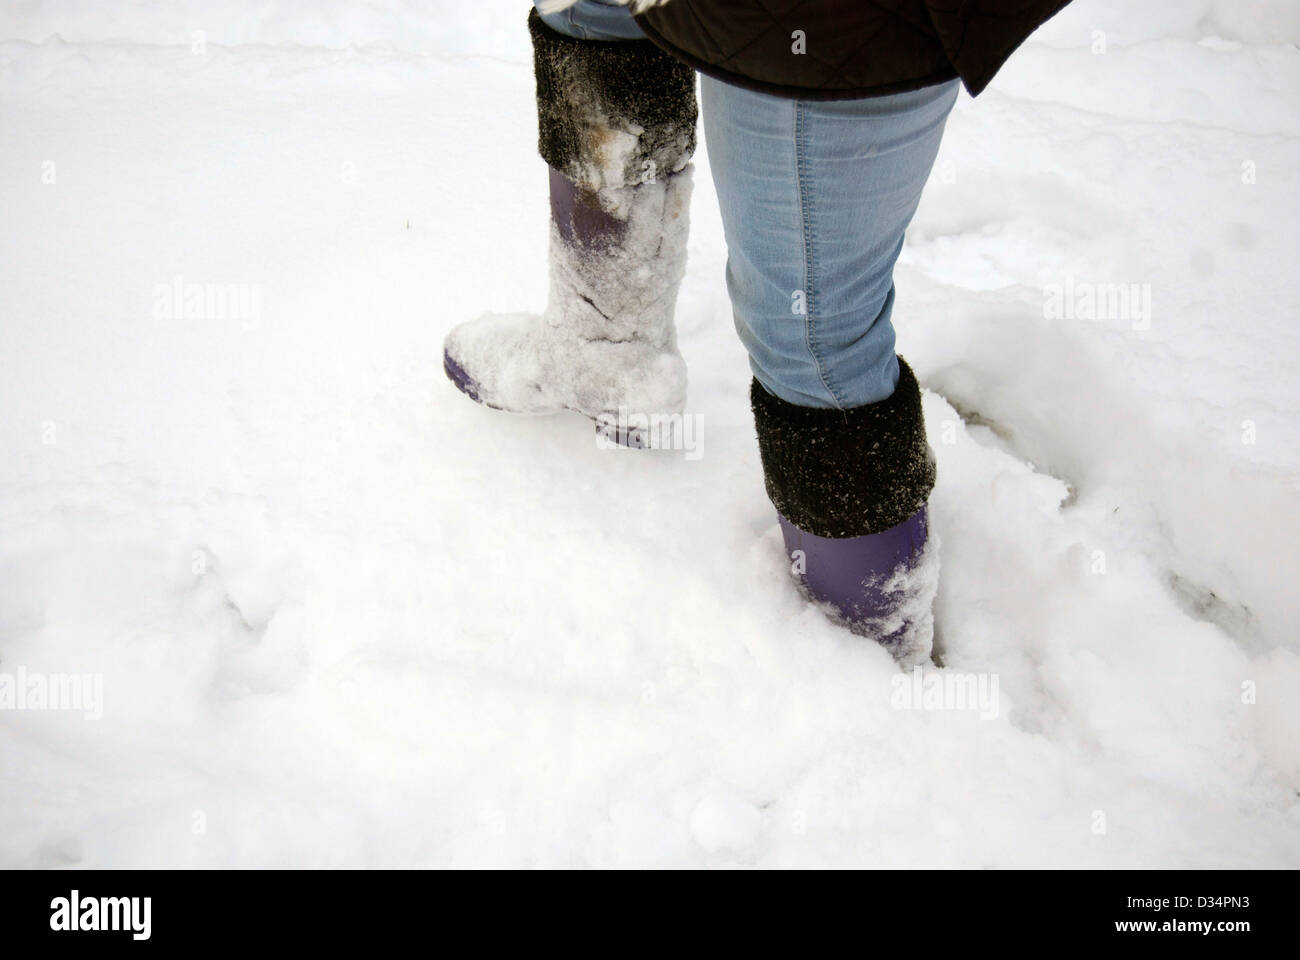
[{"x": 616, "y": 124}]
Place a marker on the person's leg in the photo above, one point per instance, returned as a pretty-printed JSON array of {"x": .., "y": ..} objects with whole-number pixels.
[
  {"x": 815, "y": 198},
  {"x": 616, "y": 125}
]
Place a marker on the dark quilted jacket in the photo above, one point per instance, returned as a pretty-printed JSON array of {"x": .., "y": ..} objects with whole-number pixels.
[{"x": 852, "y": 48}]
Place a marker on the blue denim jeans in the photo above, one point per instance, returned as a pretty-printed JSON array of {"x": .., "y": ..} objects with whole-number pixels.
[
  {"x": 815, "y": 197},
  {"x": 593, "y": 20}
]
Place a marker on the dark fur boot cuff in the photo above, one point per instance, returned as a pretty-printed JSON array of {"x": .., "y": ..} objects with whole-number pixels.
[
  {"x": 846, "y": 473},
  {"x": 611, "y": 113}
]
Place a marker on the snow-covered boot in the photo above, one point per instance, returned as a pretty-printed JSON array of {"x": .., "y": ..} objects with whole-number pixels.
[
  {"x": 850, "y": 488},
  {"x": 616, "y": 124}
]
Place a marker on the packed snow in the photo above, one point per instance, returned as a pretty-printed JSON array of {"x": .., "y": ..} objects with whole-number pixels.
[{"x": 322, "y": 610}]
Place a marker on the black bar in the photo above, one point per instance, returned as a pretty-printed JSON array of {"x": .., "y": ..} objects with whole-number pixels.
[{"x": 331, "y": 909}]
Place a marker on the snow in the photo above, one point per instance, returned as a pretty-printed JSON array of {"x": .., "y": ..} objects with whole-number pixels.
[
  {"x": 912, "y": 590},
  {"x": 343, "y": 616}
]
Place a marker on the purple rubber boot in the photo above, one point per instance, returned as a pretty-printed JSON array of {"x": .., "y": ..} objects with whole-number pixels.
[
  {"x": 878, "y": 585},
  {"x": 616, "y": 126},
  {"x": 580, "y": 221},
  {"x": 851, "y": 488}
]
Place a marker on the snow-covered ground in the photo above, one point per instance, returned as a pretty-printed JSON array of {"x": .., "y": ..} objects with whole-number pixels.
[{"x": 342, "y": 616}]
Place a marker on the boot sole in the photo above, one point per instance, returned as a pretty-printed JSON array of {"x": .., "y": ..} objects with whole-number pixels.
[{"x": 632, "y": 438}]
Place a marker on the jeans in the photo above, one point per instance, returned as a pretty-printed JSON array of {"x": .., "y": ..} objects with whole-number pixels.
[
  {"x": 815, "y": 197},
  {"x": 593, "y": 20}
]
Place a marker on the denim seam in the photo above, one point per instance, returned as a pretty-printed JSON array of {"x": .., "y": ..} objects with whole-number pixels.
[{"x": 809, "y": 266}]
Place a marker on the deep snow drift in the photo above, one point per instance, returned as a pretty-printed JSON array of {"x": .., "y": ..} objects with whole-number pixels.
[{"x": 343, "y": 616}]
